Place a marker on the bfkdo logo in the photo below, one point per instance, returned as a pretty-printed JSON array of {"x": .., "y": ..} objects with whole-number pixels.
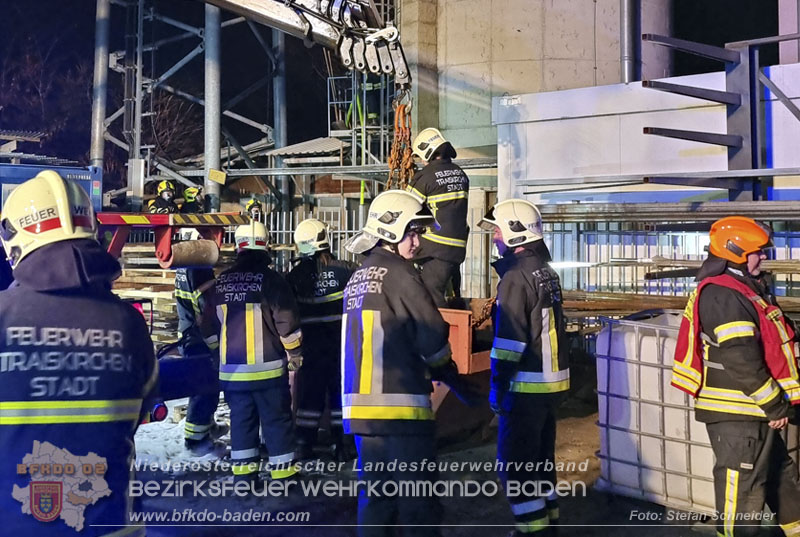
[{"x": 46, "y": 500}]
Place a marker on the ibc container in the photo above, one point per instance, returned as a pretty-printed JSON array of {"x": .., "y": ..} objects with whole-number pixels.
[{"x": 651, "y": 447}]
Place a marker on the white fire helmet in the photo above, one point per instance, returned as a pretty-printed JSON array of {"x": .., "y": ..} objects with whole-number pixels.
[
  {"x": 427, "y": 142},
  {"x": 311, "y": 236},
  {"x": 519, "y": 221},
  {"x": 252, "y": 236},
  {"x": 44, "y": 210},
  {"x": 391, "y": 213}
]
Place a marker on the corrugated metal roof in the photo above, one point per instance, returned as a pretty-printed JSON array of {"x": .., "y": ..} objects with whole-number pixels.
[{"x": 317, "y": 146}]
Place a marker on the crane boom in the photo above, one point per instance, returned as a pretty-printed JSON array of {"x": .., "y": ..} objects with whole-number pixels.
[{"x": 353, "y": 28}]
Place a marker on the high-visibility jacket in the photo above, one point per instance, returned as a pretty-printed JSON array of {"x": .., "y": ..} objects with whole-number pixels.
[
  {"x": 444, "y": 188},
  {"x": 75, "y": 364},
  {"x": 529, "y": 352},
  {"x": 392, "y": 335},
  {"x": 319, "y": 289},
  {"x": 251, "y": 315},
  {"x": 735, "y": 353}
]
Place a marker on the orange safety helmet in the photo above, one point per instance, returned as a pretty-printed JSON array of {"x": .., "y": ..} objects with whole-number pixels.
[{"x": 734, "y": 237}]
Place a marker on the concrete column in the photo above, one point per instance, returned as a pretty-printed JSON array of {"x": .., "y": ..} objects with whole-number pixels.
[
  {"x": 212, "y": 102},
  {"x": 789, "y": 23},
  {"x": 418, "y": 33}
]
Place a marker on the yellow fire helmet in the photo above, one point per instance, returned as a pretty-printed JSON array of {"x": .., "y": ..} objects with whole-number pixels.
[
  {"x": 44, "y": 210},
  {"x": 252, "y": 236},
  {"x": 190, "y": 194},
  {"x": 165, "y": 185},
  {"x": 311, "y": 236}
]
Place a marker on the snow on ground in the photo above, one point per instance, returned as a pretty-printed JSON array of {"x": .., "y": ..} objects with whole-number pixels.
[{"x": 162, "y": 442}]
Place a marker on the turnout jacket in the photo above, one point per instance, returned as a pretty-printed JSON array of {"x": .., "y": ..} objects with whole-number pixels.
[
  {"x": 392, "y": 336},
  {"x": 252, "y": 317},
  {"x": 162, "y": 206},
  {"x": 735, "y": 351},
  {"x": 189, "y": 298},
  {"x": 319, "y": 288},
  {"x": 444, "y": 187},
  {"x": 75, "y": 364},
  {"x": 529, "y": 354}
]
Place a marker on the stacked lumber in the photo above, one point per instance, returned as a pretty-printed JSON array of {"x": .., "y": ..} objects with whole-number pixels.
[{"x": 157, "y": 286}]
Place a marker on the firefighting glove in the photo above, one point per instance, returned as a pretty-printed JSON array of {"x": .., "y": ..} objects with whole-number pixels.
[
  {"x": 794, "y": 416},
  {"x": 295, "y": 362},
  {"x": 466, "y": 391}
]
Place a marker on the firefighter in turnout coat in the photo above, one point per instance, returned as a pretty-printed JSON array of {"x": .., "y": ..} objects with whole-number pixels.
[
  {"x": 318, "y": 281},
  {"x": 394, "y": 341},
  {"x": 443, "y": 187},
  {"x": 165, "y": 202},
  {"x": 77, "y": 362},
  {"x": 190, "y": 283},
  {"x": 530, "y": 370},
  {"x": 252, "y": 317},
  {"x": 736, "y": 356}
]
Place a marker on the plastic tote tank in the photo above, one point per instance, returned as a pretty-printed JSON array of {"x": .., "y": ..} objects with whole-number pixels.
[{"x": 651, "y": 447}]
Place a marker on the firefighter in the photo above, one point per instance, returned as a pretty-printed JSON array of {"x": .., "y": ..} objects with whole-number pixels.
[
  {"x": 443, "y": 187},
  {"x": 394, "y": 341},
  {"x": 252, "y": 317},
  {"x": 192, "y": 203},
  {"x": 190, "y": 283},
  {"x": 735, "y": 354},
  {"x": 318, "y": 282},
  {"x": 80, "y": 363},
  {"x": 164, "y": 203},
  {"x": 254, "y": 209},
  {"x": 530, "y": 370}
]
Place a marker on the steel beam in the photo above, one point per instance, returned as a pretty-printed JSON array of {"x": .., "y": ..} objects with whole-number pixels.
[
  {"x": 699, "y": 49},
  {"x": 213, "y": 18},
  {"x": 723, "y": 97},
  {"x": 728, "y": 140},
  {"x": 100, "y": 83},
  {"x": 671, "y": 213}
]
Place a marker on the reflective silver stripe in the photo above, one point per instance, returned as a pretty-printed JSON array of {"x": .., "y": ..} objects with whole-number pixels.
[
  {"x": 386, "y": 399},
  {"x": 239, "y": 454},
  {"x": 716, "y": 393},
  {"x": 416, "y": 193},
  {"x": 286, "y": 458},
  {"x": 196, "y": 428},
  {"x": 527, "y": 507},
  {"x": 292, "y": 338},
  {"x": 308, "y": 413},
  {"x": 448, "y": 196},
  {"x": 250, "y": 368},
  {"x": 211, "y": 339},
  {"x": 377, "y": 353},
  {"x": 439, "y": 355},
  {"x": 547, "y": 346},
  {"x": 342, "y": 351},
  {"x": 258, "y": 332},
  {"x": 713, "y": 365},
  {"x": 321, "y": 299},
  {"x": 705, "y": 404},
  {"x": 304, "y": 422},
  {"x": 321, "y": 319},
  {"x": 509, "y": 344},
  {"x": 547, "y": 376},
  {"x": 336, "y": 413},
  {"x": 766, "y": 393},
  {"x": 117, "y": 410}
]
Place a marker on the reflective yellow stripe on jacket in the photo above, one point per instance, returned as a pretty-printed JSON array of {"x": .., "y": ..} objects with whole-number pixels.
[{"x": 52, "y": 412}]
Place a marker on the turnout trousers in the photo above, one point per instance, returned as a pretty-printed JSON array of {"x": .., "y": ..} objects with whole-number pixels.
[
  {"x": 436, "y": 275},
  {"x": 753, "y": 467},
  {"x": 271, "y": 409},
  {"x": 529, "y": 438},
  {"x": 418, "y": 515},
  {"x": 319, "y": 379}
]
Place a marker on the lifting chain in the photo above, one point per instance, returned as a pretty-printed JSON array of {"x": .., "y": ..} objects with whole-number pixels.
[
  {"x": 401, "y": 157},
  {"x": 485, "y": 313}
]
